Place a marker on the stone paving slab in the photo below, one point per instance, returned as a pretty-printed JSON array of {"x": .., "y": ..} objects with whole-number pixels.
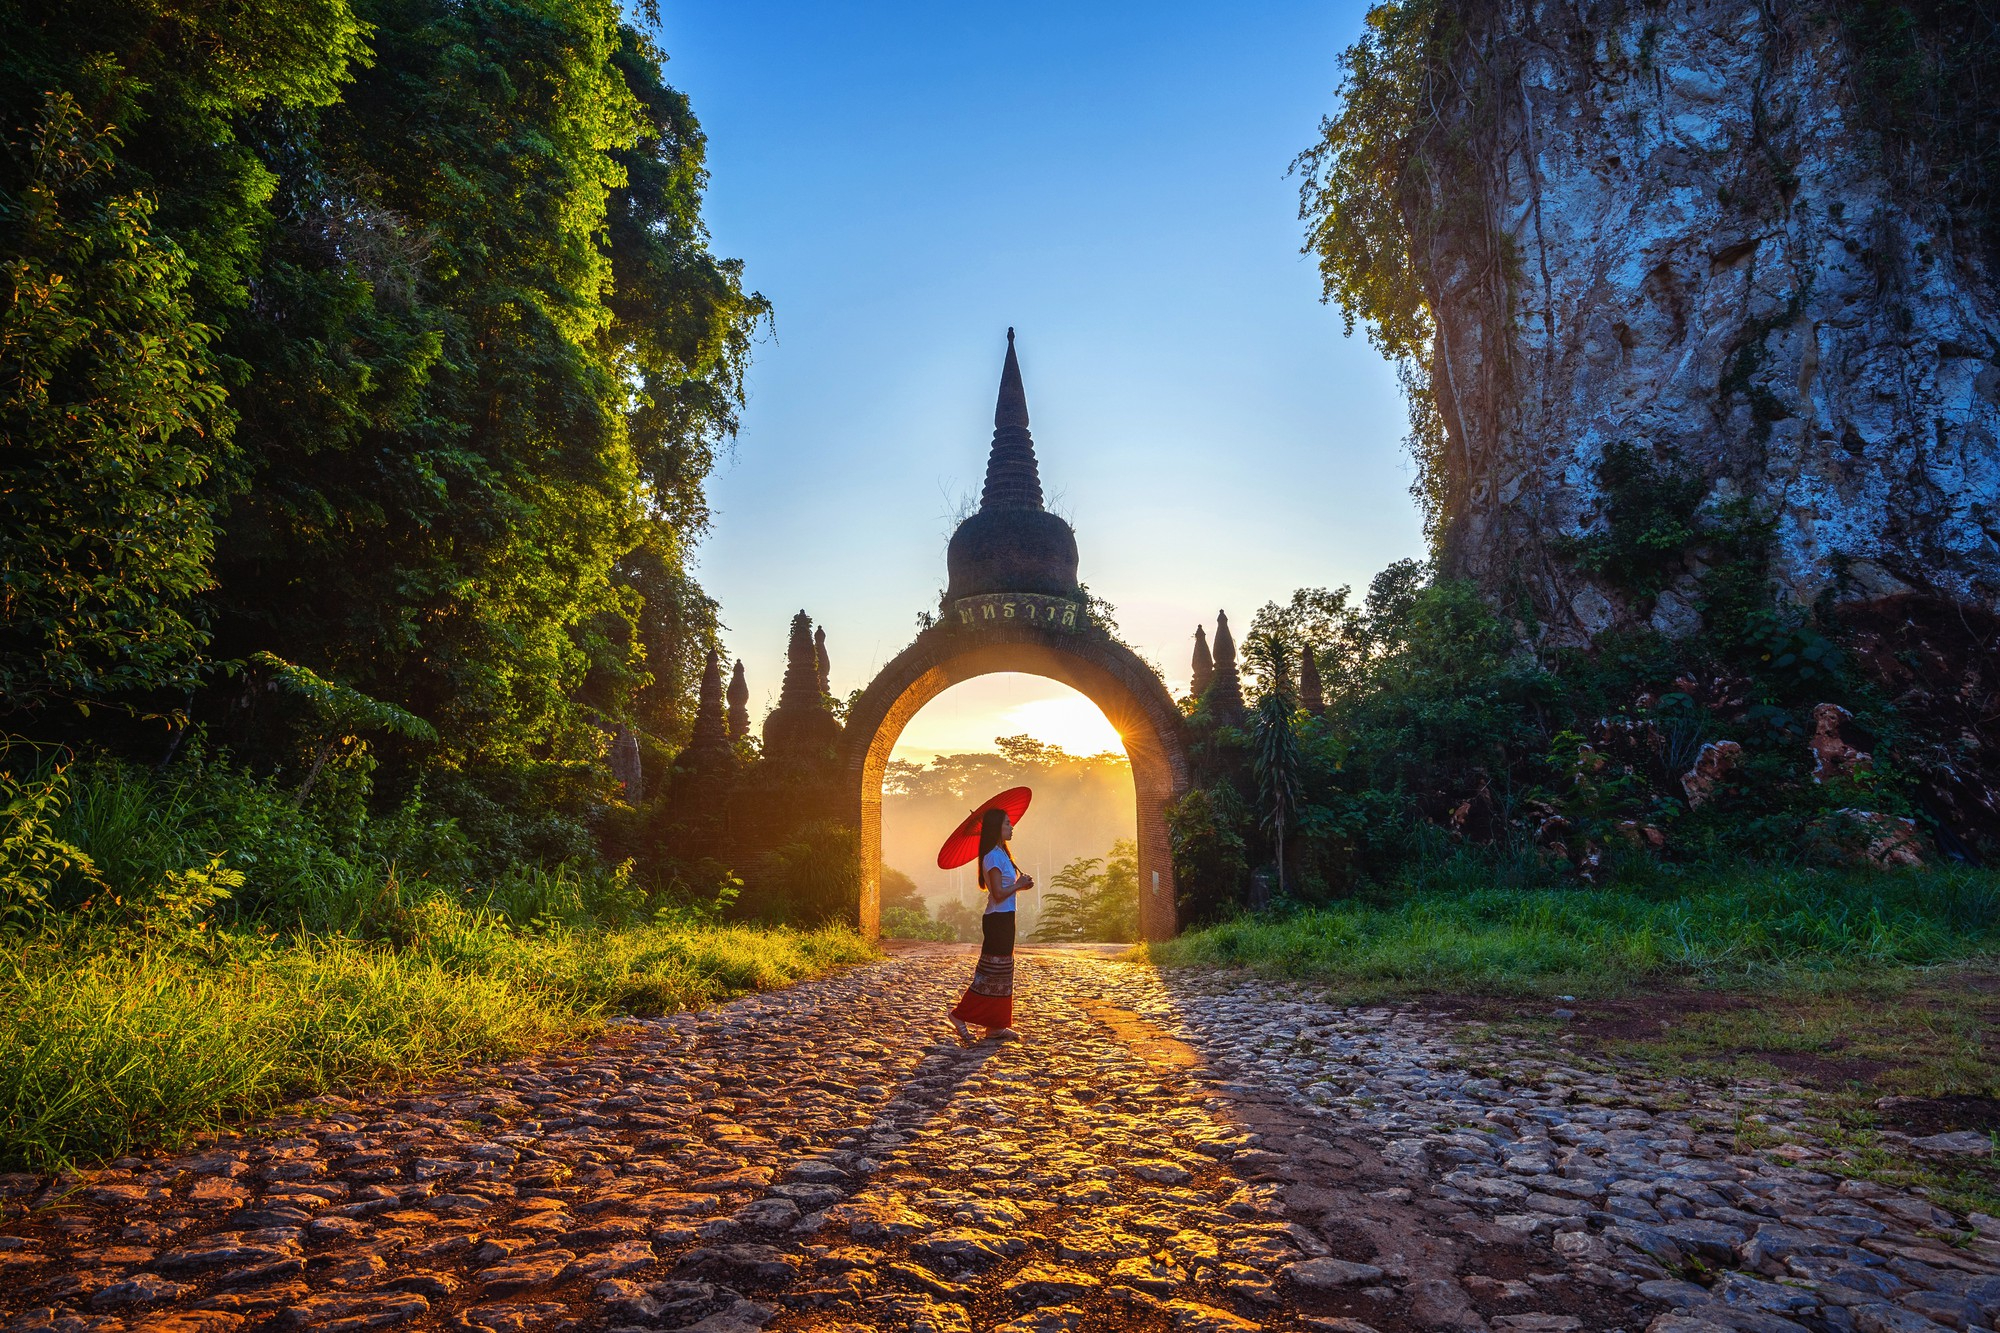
[{"x": 1193, "y": 1153}]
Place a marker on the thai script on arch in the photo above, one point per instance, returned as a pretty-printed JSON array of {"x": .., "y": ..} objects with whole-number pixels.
[{"x": 1050, "y": 612}]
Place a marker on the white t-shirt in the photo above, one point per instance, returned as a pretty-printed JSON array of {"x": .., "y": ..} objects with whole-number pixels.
[{"x": 997, "y": 859}]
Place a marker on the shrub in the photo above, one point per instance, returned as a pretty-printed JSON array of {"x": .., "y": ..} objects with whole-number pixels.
[
  {"x": 1094, "y": 898},
  {"x": 914, "y": 923},
  {"x": 816, "y": 877}
]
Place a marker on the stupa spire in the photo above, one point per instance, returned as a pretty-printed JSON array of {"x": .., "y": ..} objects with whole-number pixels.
[
  {"x": 801, "y": 685},
  {"x": 1012, "y": 544},
  {"x": 1312, "y": 693},
  {"x": 709, "y": 733},
  {"x": 801, "y": 727},
  {"x": 1012, "y": 479},
  {"x": 1204, "y": 665},
  {"x": 1225, "y": 694},
  {"x": 822, "y": 663},
  {"x": 739, "y": 704}
]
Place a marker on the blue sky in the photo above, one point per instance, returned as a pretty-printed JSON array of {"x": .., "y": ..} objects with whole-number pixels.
[{"x": 905, "y": 181}]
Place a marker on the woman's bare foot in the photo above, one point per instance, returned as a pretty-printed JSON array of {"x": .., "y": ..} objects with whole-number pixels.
[
  {"x": 958, "y": 1026},
  {"x": 1002, "y": 1034}
]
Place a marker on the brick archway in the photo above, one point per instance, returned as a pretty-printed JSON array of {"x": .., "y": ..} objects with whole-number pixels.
[{"x": 1023, "y": 633}]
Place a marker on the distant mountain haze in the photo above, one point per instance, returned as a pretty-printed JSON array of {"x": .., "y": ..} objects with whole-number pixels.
[{"x": 1082, "y": 805}]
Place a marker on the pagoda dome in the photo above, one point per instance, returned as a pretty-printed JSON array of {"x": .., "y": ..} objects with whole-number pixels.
[{"x": 1012, "y": 544}]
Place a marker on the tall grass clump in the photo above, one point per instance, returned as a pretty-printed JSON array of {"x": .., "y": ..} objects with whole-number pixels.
[
  {"x": 1712, "y": 927},
  {"x": 180, "y": 953}
]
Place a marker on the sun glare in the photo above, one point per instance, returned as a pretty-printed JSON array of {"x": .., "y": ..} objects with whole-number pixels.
[
  {"x": 966, "y": 718},
  {"x": 1074, "y": 723}
]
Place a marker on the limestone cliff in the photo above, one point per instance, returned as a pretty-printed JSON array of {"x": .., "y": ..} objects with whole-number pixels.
[{"x": 1684, "y": 232}]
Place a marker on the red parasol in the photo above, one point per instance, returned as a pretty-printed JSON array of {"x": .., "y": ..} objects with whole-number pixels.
[{"x": 963, "y": 844}]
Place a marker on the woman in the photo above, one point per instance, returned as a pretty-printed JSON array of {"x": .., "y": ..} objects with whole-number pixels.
[{"x": 989, "y": 1000}]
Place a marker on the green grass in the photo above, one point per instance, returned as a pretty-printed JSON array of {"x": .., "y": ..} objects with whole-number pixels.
[
  {"x": 110, "y": 1042},
  {"x": 1752, "y": 928}
]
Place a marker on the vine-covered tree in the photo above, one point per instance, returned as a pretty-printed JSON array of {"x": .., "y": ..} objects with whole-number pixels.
[
  {"x": 382, "y": 337},
  {"x": 111, "y": 418},
  {"x": 130, "y": 210}
]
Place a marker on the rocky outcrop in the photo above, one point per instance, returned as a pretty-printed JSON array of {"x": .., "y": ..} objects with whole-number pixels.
[
  {"x": 1834, "y": 756},
  {"x": 1715, "y": 762},
  {"x": 1939, "y": 665},
  {"x": 1686, "y": 233},
  {"x": 1887, "y": 841}
]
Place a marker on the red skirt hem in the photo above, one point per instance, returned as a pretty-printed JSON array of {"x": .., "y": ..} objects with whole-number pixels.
[{"x": 988, "y": 1011}]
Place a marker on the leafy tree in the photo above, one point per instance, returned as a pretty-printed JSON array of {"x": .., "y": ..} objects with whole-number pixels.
[
  {"x": 180, "y": 80},
  {"x": 680, "y": 319},
  {"x": 1206, "y": 830},
  {"x": 340, "y": 712},
  {"x": 655, "y": 663},
  {"x": 488, "y": 516},
  {"x": 914, "y": 923},
  {"x": 377, "y": 346},
  {"x": 904, "y": 914},
  {"x": 899, "y": 890},
  {"x": 131, "y": 208},
  {"x": 961, "y": 918},
  {"x": 1027, "y": 753},
  {"x": 111, "y": 416},
  {"x": 1322, "y": 623},
  {"x": 815, "y": 878},
  {"x": 1094, "y": 898},
  {"x": 1274, "y": 751}
]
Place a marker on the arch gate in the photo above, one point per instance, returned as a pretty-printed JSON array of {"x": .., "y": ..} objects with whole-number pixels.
[
  {"x": 1013, "y": 603},
  {"x": 1039, "y": 636}
]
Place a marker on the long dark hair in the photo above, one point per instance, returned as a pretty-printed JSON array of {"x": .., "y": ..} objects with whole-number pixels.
[{"x": 989, "y": 834}]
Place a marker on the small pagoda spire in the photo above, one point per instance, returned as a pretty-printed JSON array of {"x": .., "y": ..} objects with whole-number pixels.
[
  {"x": 1204, "y": 665},
  {"x": 801, "y": 687},
  {"x": 822, "y": 664},
  {"x": 739, "y": 704},
  {"x": 1012, "y": 479},
  {"x": 705, "y": 768},
  {"x": 1225, "y": 692},
  {"x": 1312, "y": 695},
  {"x": 801, "y": 726},
  {"x": 710, "y": 735}
]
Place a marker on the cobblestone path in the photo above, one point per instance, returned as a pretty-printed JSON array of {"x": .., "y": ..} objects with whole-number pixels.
[{"x": 1195, "y": 1153}]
